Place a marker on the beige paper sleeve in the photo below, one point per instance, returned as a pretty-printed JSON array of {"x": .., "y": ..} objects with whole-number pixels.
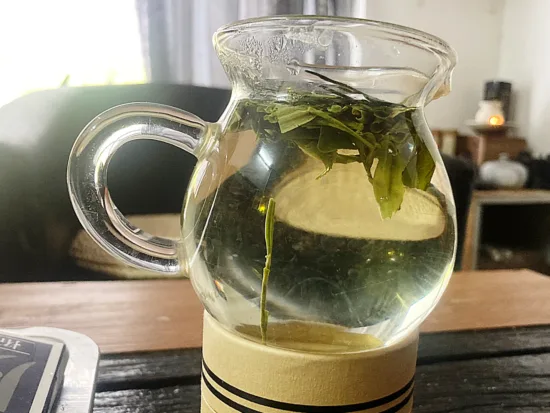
[{"x": 241, "y": 375}]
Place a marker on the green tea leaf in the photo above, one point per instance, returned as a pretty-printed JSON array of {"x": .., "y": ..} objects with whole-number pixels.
[
  {"x": 337, "y": 109},
  {"x": 291, "y": 117},
  {"x": 410, "y": 175},
  {"x": 335, "y": 123},
  {"x": 343, "y": 86},
  {"x": 425, "y": 165},
  {"x": 356, "y": 126},
  {"x": 310, "y": 148},
  {"x": 367, "y": 158},
  {"x": 269, "y": 227},
  {"x": 331, "y": 140},
  {"x": 342, "y": 118},
  {"x": 387, "y": 181},
  {"x": 348, "y": 89},
  {"x": 382, "y": 112},
  {"x": 341, "y": 158},
  {"x": 378, "y": 126},
  {"x": 301, "y": 134},
  {"x": 360, "y": 113}
]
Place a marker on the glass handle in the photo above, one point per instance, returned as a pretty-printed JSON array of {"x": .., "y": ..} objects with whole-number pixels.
[{"x": 87, "y": 178}]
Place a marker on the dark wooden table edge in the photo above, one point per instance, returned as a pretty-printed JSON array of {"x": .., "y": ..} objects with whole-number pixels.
[
  {"x": 179, "y": 366},
  {"x": 474, "y": 371}
]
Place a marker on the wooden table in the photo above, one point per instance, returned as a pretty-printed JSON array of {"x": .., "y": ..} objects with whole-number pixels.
[{"x": 486, "y": 348}]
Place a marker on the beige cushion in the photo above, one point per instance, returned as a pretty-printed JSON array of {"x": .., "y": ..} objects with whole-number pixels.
[{"x": 88, "y": 254}]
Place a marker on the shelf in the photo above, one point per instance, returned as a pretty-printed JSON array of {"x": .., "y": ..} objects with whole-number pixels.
[
  {"x": 493, "y": 197},
  {"x": 533, "y": 259},
  {"x": 512, "y": 197}
]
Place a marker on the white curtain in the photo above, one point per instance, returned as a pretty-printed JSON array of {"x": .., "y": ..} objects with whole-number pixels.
[{"x": 177, "y": 34}]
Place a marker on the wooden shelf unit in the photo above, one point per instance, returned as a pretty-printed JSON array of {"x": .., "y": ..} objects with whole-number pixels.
[{"x": 481, "y": 199}]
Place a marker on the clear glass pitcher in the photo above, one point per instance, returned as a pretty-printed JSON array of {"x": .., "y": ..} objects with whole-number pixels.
[{"x": 319, "y": 201}]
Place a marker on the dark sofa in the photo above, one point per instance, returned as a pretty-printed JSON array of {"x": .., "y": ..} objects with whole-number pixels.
[{"x": 37, "y": 223}]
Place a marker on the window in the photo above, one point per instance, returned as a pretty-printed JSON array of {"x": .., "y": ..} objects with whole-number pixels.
[{"x": 79, "y": 42}]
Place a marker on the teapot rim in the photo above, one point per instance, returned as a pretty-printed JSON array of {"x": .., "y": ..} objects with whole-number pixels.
[{"x": 413, "y": 36}]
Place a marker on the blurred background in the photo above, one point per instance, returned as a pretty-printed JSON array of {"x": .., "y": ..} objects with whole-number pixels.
[{"x": 62, "y": 62}]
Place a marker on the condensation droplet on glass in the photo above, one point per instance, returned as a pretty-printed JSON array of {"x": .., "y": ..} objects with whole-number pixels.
[
  {"x": 278, "y": 44},
  {"x": 325, "y": 38},
  {"x": 293, "y": 67},
  {"x": 396, "y": 50},
  {"x": 293, "y": 70}
]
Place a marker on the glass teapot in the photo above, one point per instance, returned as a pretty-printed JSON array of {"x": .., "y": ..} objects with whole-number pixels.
[{"x": 319, "y": 199}]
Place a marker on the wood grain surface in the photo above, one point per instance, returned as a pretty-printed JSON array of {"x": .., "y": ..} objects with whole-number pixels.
[
  {"x": 512, "y": 196},
  {"x": 134, "y": 370},
  {"x": 488, "y": 371},
  {"x": 492, "y": 299},
  {"x": 486, "y": 147},
  {"x": 492, "y": 385},
  {"x": 130, "y": 316},
  {"x": 118, "y": 315}
]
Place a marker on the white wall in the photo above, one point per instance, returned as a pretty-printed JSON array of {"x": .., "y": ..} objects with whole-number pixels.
[
  {"x": 472, "y": 27},
  {"x": 525, "y": 61}
]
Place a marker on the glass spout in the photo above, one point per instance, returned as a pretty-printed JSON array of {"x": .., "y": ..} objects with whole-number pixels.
[{"x": 444, "y": 89}]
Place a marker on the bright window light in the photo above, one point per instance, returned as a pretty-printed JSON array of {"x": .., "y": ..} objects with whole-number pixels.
[{"x": 87, "y": 42}]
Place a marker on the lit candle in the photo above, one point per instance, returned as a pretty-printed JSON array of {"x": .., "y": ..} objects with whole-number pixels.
[{"x": 496, "y": 120}]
